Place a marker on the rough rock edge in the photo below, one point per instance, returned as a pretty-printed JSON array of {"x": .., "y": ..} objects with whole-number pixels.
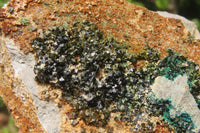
[{"x": 189, "y": 25}]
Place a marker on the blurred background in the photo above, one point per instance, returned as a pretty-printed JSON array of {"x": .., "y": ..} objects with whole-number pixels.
[
  {"x": 7, "y": 124},
  {"x": 2, "y": 2},
  {"x": 190, "y": 9}
]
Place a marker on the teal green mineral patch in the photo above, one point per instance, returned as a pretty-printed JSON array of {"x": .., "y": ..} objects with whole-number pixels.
[
  {"x": 181, "y": 123},
  {"x": 174, "y": 65},
  {"x": 97, "y": 75}
]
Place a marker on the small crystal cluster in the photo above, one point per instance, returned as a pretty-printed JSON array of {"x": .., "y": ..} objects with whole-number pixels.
[
  {"x": 174, "y": 65},
  {"x": 98, "y": 77}
]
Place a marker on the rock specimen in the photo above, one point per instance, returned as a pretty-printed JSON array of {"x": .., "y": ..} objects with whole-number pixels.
[{"x": 98, "y": 66}]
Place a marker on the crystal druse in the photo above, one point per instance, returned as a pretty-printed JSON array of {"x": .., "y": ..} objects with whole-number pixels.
[{"x": 98, "y": 76}]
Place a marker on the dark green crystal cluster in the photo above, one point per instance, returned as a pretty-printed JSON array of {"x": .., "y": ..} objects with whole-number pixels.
[{"x": 98, "y": 77}]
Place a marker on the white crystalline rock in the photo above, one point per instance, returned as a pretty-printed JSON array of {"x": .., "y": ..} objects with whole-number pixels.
[{"x": 47, "y": 112}]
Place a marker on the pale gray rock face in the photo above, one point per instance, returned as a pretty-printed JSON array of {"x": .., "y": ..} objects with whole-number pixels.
[
  {"x": 189, "y": 25},
  {"x": 178, "y": 92},
  {"x": 47, "y": 112}
]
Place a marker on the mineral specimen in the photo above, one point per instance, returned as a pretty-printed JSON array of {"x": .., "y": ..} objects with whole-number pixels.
[{"x": 98, "y": 77}]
